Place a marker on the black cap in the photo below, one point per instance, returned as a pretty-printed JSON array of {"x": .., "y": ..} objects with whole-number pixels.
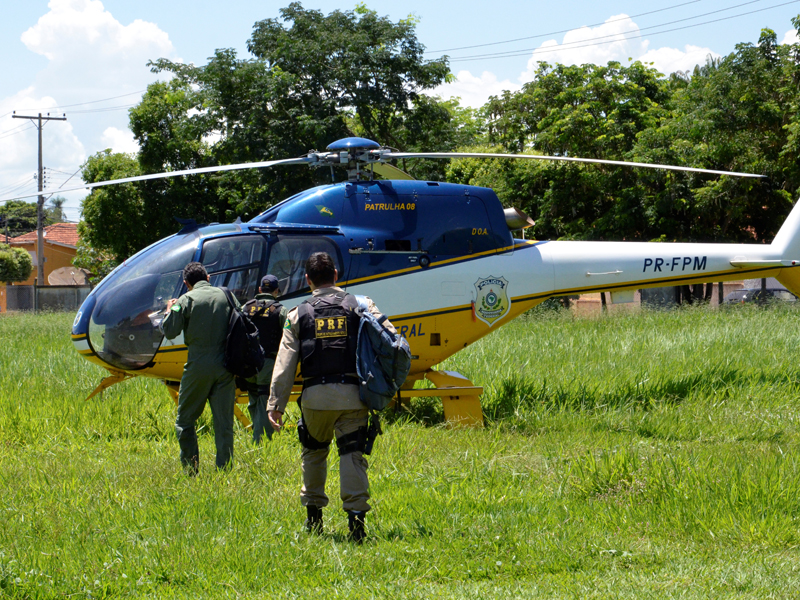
[{"x": 269, "y": 283}]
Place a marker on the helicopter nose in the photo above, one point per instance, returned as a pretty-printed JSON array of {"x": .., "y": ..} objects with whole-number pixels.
[{"x": 80, "y": 327}]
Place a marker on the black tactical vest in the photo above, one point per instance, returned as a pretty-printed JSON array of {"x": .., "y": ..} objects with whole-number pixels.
[
  {"x": 328, "y": 334},
  {"x": 266, "y": 316}
]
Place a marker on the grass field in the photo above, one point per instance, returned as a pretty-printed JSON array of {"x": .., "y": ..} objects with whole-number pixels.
[{"x": 650, "y": 455}]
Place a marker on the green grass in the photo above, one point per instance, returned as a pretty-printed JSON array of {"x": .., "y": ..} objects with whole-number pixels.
[{"x": 650, "y": 455}]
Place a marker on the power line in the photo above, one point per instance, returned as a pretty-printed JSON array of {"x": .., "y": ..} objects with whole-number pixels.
[
  {"x": 532, "y": 37},
  {"x": 52, "y": 170},
  {"x": 617, "y": 37},
  {"x": 27, "y": 183},
  {"x": 67, "y": 179},
  {"x": 83, "y": 103},
  {"x": 16, "y": 184},
  {"x": 26, "y": 128},
  {"x": 99, "y": 110},
  {"x": 14, "y": 128}
]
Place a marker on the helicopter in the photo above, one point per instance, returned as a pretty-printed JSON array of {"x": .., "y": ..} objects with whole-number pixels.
[{"x": 439, "y": 259}]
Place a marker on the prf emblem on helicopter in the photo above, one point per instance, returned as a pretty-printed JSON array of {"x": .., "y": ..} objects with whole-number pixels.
[{"x": 491, "y": 301}]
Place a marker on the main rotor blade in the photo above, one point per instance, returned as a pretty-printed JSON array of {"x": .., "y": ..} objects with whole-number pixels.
[
  {"x": 389, "y": 171},
  {"x": 620, "y": 163},
  {"x": 167, "y": 174}
]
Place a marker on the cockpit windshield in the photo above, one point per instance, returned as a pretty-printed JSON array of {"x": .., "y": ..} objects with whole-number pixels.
[
  {"x": 123, "y": 329},
  {"x": 129, "y": 304}
]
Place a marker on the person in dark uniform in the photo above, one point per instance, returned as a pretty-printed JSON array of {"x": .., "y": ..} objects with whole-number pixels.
[
  {"x": 202, "y": 315},
  {"x": 321, "y": 333},
  {"x": 268, "y": 315}
]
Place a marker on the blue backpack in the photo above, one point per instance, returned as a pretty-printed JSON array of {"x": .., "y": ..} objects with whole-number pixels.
[{"x": 383, "y": 359}]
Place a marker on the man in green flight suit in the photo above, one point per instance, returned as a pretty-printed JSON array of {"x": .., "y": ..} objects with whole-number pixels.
[
  {"x": 202, "y": 314},
  {"x": 268, "y": 315}
]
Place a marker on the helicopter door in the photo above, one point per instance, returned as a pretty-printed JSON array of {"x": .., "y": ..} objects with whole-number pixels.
[
  {"x": 234, "y": 262},
  {"x": 287, "y": 260}
]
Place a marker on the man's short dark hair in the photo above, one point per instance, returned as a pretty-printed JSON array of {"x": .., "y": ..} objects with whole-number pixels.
[
  {"x": 320, "y": 269},
  {"x": 194, "y": 272}
]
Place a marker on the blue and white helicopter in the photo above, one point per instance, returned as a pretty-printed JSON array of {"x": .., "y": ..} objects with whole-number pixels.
[{"x": 439, "y": 259}]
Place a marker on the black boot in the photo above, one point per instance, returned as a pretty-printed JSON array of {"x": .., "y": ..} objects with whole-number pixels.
[
  {"x": 355, "y": 521},
  {"x": 314, "y": 519}
]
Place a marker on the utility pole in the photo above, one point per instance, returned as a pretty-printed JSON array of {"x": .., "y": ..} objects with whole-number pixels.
[{"x": 37, "y": 121}]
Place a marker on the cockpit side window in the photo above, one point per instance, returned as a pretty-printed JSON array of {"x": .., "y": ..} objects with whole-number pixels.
[
  {"x": 233, "y": 262},
  {"x": 288, "y": 256}
]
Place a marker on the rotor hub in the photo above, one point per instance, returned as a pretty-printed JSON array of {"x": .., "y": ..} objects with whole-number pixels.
[{"x": 352, "y": 153}]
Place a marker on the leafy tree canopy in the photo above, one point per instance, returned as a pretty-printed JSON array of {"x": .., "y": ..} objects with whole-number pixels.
[
  {"x": 15, "y": 264},
  {"x": 20, "y": 216},
  {"x": 312, "y": 79},
  {"x": 55, "y": 209},
  {"x": 738, "y": 113}
]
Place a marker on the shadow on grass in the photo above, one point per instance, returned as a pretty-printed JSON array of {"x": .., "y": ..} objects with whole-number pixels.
[
  {"x": 414, "y": 531},
  {"x": 517, "y": 396}
]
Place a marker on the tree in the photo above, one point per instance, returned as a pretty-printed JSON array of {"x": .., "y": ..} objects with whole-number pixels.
[
  {"x": 55, "y": 212},
  {"x": 99, "y": 263},
  {"x": 115, "y": 216},
  {"x": 584, "y": 111},
  {"x": 20, "y": 217},
  {"x": 736, "y": 114},
  {"x": 350, "y": 61},
  {"x": 313, "y": 79},
  {"x": 15, "y": 264},
  {"x": 435, "y": 125}
]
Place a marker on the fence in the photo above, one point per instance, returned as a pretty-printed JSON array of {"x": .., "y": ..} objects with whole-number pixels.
[{"x": 49, "y": 297}]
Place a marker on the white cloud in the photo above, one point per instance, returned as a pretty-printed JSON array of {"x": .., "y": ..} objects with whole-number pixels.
[
  {"x": 616, "y": 39},
  {"x": 475, "y": 91},
  {"x": 91, "y": 56},
  {"x": 120, "y": 140},
  {"x": 669, "y": 60},
  {"x": 790, "y": 37},
  {"x": 619, "y": 39},
  {"x": 80, "y": 35}
]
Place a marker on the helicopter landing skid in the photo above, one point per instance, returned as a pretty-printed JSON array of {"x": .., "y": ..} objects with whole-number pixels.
[
  {"x": 114, "y": 378},
  {"x": 460, "y": 398}
]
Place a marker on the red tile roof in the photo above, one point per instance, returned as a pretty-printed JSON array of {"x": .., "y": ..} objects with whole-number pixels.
[{"x": 59, "y": 233}]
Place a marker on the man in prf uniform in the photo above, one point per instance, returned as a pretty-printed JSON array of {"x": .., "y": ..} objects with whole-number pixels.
[
  {"x": 269, "y": 316},
  {"x": 202, "y": 314},
  {"x": 322, "y": 334}
]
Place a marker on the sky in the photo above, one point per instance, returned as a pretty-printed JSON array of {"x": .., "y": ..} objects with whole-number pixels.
[{"x": 87, "y": 59}]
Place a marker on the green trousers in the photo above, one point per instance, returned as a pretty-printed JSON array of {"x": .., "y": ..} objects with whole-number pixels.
[
  {"x": 205, "y": 380},
  {"x": 258, "y": 415}
]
